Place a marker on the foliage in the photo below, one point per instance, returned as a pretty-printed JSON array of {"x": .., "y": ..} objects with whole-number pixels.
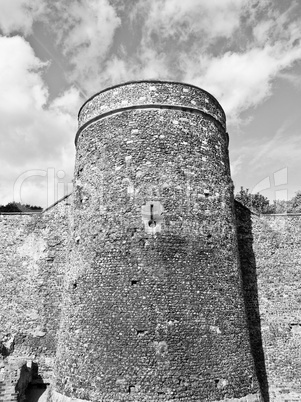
[
  {"x": 295, "y": 203},
  {"x": 261, "y": 204},
  {"x": 280, "y": 206},
  {"x": 17, "y": 207},
  {"x": 256, "y": 202}
]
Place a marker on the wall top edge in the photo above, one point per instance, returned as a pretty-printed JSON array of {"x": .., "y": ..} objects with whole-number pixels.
[
  {"x": 150, "y": 92},
  {"x": 149, "y": 81},
  {"x": 21, "y": 213},
  {"x": 56, "y": 202},
  {"x": 37, "y": 212},
  {"x": 288, "y": 214}
]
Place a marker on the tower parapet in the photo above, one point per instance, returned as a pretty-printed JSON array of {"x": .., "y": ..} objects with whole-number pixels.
[
  {"x": 153, "y": 304},
  {"x": 150, "y": 94}
]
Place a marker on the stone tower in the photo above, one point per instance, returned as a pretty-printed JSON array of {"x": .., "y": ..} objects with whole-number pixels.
[{"x": 153, "y": 304}]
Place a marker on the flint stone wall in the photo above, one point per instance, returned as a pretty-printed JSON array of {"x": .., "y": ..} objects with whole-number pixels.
[
  {"x": 270, "y": 253},
  {"x": 112, "y": 272},
  {"x": 277, "y": 247},
  {"x": 32, "y": 266},
  {"x": 151, "y": 94},
  {"x": 271, "y": 269},
  {"x": 154, "y": 315}
]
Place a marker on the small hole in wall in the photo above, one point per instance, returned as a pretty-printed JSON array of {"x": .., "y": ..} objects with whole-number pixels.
[
  {"x": 216, "y": 383},
  {"x": 74, "y": 285},
  {"x": 140, "y": 332},
  {"x": 134, "y": 282},
  {"x": 209, "y": 236}
]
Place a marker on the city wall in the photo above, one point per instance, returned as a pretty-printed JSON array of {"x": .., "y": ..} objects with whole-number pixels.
[
  {"x": 270, "y": 255},
  {"x": 32, "y": 265},
  {"x": 138, "y": 289}
]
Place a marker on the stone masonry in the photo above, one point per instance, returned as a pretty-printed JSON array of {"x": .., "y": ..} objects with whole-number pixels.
[{"x": 149, "y": 283}]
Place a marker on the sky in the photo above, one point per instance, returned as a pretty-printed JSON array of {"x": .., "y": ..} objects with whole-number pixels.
[{"x": 55, "y": 54}]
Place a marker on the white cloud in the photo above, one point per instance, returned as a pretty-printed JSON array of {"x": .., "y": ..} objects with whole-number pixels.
[
  {"x": 34, "y": 134},
  {"x": 85, "y": 31},
  {"x": 242, "y": 80},
  {"x": 19, "y": 15},
  {"x": 235, "y": 49},
  {"x": 180, "y": 19},
  {"x": 270, "y": 162},
  {"x": 17, "y": 94},
  {"x": 278, "y": 148}
]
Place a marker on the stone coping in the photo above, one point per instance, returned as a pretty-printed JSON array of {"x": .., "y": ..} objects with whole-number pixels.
[
  {"x": 147, "y": 93},
  {"x": 152, "y": 81}
]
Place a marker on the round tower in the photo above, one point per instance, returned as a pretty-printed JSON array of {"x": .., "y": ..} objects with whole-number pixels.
[{"x": 153, "y": 304}]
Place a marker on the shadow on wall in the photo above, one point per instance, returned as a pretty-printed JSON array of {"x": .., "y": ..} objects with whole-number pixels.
[
  {"x": 37, "y": 390},
  {"x": 36, "y": 393},
  {"x": 250, "y": 290}
]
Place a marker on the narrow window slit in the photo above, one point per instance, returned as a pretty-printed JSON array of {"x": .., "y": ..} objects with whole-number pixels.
[{"x": 152, "y": 222}]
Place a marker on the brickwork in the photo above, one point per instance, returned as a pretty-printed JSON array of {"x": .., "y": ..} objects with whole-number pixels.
[{"x": 154, "y": 313}]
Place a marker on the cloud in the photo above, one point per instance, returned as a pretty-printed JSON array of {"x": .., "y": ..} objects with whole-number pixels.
[
  {"x": 235, "y": 49},
  {"x": 278, "y": 148},
  {"x": 181, "y": 19},
  {"x": 35, "y": 134},
  {"x": 85, "y": 31},
  {"x": 270, "y": 163},
  {"x": 18, "y": 94},
  {"x": 19, "y": 15},
  {"x": 242, "y": 80}
]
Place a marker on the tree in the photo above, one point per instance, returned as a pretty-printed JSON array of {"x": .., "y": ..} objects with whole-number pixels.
[
  {"x": 257, "y": 202},
  {"x": 281, "y": 206},
  {"x": 295, "y": 203},
  {"x": 17, "y": 207}
]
